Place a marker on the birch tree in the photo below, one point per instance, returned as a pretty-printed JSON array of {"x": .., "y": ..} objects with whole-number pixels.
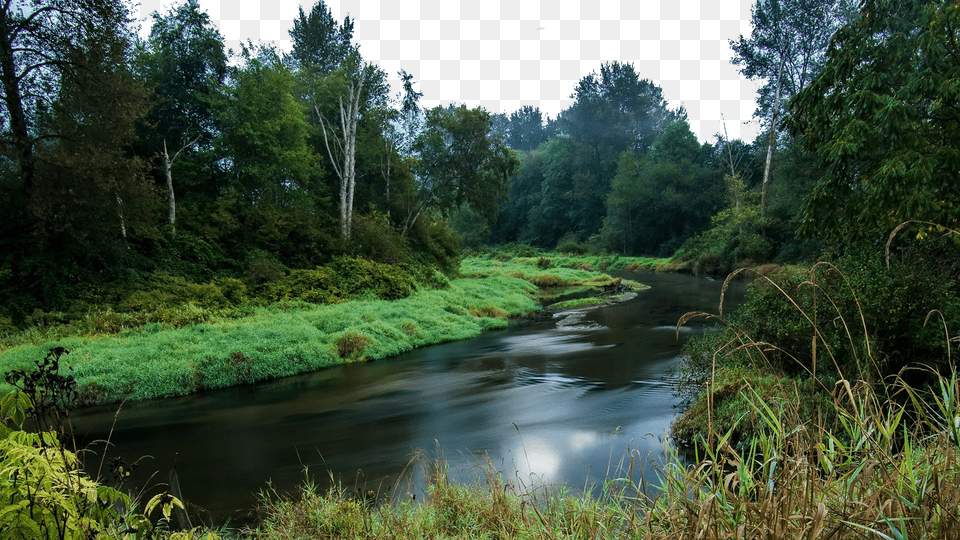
[
  {"x": 786, "y": 49},
  {"x": 343, "y": 152}
]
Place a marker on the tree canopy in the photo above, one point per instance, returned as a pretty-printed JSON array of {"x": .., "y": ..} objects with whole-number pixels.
[{"x": 882, "y": 117}]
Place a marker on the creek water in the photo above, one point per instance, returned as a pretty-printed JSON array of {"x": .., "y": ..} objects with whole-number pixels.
[{"x": 547, "y": 402}]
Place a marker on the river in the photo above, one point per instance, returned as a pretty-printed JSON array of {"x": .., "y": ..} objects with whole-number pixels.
[{"x": 565, "y": 401}]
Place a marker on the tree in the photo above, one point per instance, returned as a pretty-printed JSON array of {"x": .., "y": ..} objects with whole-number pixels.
[
  {"x": 657, "y": 202},
  {"x": 460, "y": 161},
  {"x": 88, "y": 184},
  {"x": 264, "y": 134},
  {"x": 553, "y": 178},
  {"x": 319, "y": 41},
  {"x": 617, "y": 111},
  {"x": 786, "y": 48},
  {"x": 341, "y": 88},
  {"x": 71, "y": 186},
  {"x": 526, "y": 129},
  {"x": 883, "y": 118},
  {"x": 40, "y": 45},
  {"x": 186, "y": 65},
  {"x": 344, "y": 152}
]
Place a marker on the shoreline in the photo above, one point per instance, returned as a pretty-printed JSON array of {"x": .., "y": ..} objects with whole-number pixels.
[{"x": 293, "y": 338}]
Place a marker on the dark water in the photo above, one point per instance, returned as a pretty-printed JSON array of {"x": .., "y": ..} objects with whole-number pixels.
[{"x": 549, "y": 402}]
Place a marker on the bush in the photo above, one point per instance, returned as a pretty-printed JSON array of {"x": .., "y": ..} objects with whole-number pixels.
[
  {"x": 570, "y": 244},
  {"x": 262, "y": 268},
  {"x": 870, "y": 319},
  {"x": 317, "y": 286},
  {"x": 352, "y": 345},
  {"x": 360, "y": 276}
]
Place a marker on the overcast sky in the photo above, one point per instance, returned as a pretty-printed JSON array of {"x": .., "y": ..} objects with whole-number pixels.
[{"x": 503, "y": 54}]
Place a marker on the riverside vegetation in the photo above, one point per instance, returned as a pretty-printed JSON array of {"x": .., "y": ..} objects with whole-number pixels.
[
  {"x": 187, "y": 337},
  {"x": 832, "y": 457}
]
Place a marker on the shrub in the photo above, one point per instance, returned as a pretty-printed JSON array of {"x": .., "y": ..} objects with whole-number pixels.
[
  {"x": 352, "y": 345},
  {"x": 318, "y": 286},
  {"x": 45, "y": 490},
  {"x": 361, "y": 276},
  {"x": 570, "y": 244},
  {"x": 262, "y": 268}
]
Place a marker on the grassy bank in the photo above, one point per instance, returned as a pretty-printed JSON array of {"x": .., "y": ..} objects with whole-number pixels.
[
  {"x": 294, "y": 336},
  {"x": 877, "y": 476}
]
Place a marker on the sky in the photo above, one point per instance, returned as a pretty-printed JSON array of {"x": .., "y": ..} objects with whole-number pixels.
[{"x": 504, "y": 54}]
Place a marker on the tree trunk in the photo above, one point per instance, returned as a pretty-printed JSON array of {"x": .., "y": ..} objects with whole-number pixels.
[
  {"x": 123, "y": 222},
  {"x": 385, "y": 167},
  {"x": 770, "y": 141},
  {"x": 168, "y": 171},
  {"x": 349, "y": 117},
  {"x": 14, "y": 102},
  {"x": 171, "y": 200}
]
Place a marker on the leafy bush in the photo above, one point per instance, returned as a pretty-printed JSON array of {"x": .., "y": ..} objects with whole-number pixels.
[
  {"x": 855, "y": 318},
  {"x": 317, "y": 286},
  {"x": 571, "y": 245},
  {"x": 352, "y": 345},
  {"x": 45, "y": 490},
  {"x": 262, "y": 268},
  {"x": 359, "y": 276}
]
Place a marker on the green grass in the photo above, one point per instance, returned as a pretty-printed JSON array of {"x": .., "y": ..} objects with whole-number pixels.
[
  {"x": 216, "y": 349},
  {"x": 279, "y": 340},
  {"x": 590, "y": 301}
]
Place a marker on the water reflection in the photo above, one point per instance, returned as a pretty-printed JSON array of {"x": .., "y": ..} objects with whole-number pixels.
[{"x": 547, "y": 403}]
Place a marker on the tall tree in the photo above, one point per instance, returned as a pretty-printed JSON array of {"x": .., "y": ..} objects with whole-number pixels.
[
  {"x": 460, "y": 161},
  {"x": 185, "y": 63},
  {"x": 883, "y": 118},
  {"x": 341, "y": 88},
  {"x": 39, "y": 44},
  {"x": 90, "y": 186},
  {"x": 527, "y": 129},
  {"x": 264, "y": 134},
  {"x": 617, "y": 111},
  {"x": 786, "y": 48},
  {"x": 657, "y": 202},
  {"x": 319, "y": 41},
  {"x": 344, "y": 151}
]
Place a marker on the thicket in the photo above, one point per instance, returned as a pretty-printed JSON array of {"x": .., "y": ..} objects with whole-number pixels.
[{"x": 866, "y": 315}]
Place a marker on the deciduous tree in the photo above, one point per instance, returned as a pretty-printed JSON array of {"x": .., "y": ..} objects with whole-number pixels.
[
  {"x": 460, "y": 162},
  {"x": 883, "y": 118},
  {"x": 786, "y": 49},
  {"x": 185, "y": 63}
]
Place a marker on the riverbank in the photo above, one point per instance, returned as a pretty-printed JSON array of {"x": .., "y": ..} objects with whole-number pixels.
[
  {"x": 291, "y": 337},
  {"x": 878, "y": 475}
]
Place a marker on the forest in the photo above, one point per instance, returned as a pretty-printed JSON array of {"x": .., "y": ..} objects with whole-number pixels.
[
  {"x": 147, "y": 178},
  {"x": 131, "y": 161}
]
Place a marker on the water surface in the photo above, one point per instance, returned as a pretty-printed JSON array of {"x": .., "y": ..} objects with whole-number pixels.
[{"x": 547, "y": 402}]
